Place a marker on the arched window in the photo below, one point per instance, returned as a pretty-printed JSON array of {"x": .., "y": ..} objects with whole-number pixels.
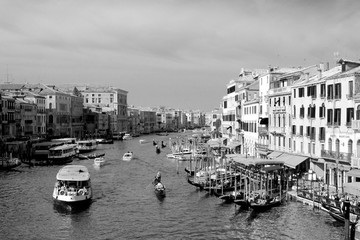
[
  {"x": 350, "y": 149},
  {"x": 358, "y": 148},
  {"x": 294, "y": 113},
  {"x": 330, "y": 144},
  {"x": 337, "y": 146},
  {"x": 358, "y": 112}
]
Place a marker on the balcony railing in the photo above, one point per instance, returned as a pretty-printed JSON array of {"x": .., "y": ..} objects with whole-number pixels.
[{"x": 337, "y": 155}]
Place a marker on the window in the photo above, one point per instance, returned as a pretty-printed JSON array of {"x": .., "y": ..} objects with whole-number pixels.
[
  {"x": 330, "y": 144},
  {"x": 294, "y": 93},
  {"x": 349, "y": 116},
  {"x": 301, "y": 92},
  {"x": 301, "y": 130},
  {"x": 294, "y": 146},
  {"x": 338, "y": 91},
  {"x": 309, "y": 148},
  {"x": 302, "y": 147},
  {"x": 308, "y": 131},
  {"x": 225, "y": 104},
  {"x": 358, "y": 112},
  {"x": 322, "y": 134},
  {"x": 322, "y": 90},
  {"x": 302, "y": 111},
  {"x": 329, "y": 117},
  {"x": 337, "y": 116},
  {"x": 322, "y": 111},
  {"x": 294, "y": 113},
  {"x": 349, "y": 179},
  {"x": 330, "y": 93},
  {"x": 313, "y": 133},
  {"x": 294, "y": 130}
]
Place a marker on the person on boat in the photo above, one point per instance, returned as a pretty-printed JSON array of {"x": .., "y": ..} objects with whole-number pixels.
[{"x": 157, "y": 178}]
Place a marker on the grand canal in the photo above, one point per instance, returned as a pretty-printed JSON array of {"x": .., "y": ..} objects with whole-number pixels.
[{"x": 125, "y": 206}]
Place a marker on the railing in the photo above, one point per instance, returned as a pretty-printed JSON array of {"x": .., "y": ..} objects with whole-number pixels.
[
  {"x": 279, "y": 90},
  {"x": 337, "y": 155}
]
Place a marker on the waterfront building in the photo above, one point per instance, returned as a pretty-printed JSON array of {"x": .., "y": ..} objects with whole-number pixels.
[
  {"x": 25, "y": 118},
  {"x": 281, "y": 132},
  {"x": 77, "y": 115},
  {"x": 58, "y": 106},
  {"x": 250, "y": 119},
  {"x": 113, "y": 98},
  {"x": 1, "y": 104},
  {"x": 263, "y": 130},
  {"x": 147, "y": 120},
  {"x": 8, "y": 117},
  {"x": 190, "y": 119},
  {"x": 40, "y": 123},
  {"x": 134, "y": 120}
]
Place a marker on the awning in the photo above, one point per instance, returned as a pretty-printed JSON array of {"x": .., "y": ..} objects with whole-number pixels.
[
  {"x": 233, "y": 144},
  {"x": 291, "y": 160},
  {"x": 264, "y": 121},
  {"x": 274, "y": 154},
  {"x": 353, "y": 173},
  {"x": 262, "y": 152}
]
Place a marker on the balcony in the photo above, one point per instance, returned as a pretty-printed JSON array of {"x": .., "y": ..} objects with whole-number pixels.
[
  {"x": 279, "y": 90},
  {"x": 337, "y": 155}
]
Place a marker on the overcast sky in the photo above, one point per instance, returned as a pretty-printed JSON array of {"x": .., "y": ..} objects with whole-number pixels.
[{"x": 174, "y": 53}]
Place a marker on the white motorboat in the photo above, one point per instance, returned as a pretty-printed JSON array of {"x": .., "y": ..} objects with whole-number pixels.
[
  {"x": 99, "y": 161},
  {"x": 128, "y": 156},
  {"x": 143, "y": 141},
  {"x": 127, "y": 136},
  {"x": 73, "y": 185}
]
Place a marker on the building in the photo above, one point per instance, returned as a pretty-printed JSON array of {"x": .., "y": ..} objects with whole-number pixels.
[
  {"x": 281, "y": 130},
  {"x": 113, "y": 98}
]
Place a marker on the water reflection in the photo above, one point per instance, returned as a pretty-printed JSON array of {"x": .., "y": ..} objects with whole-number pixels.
[{"x": 67, "y": 209}]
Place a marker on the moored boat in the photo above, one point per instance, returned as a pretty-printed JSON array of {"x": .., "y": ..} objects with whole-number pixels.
[
  {"x": 143, "y": 141},
  {"x": 73, "y": 185},
  {"x": 9, "y": 163}
]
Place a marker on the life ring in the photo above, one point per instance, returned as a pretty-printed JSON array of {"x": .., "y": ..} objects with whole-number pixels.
[
  {"x": 62, "y": 192},
  {"x": 81, "y": 192}
]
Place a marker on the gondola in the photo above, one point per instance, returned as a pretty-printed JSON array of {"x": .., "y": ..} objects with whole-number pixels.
[
  {"x": 190, "y": 172},
  {"x": 199, "y": 185},
  {"x": 265, "y": 204},
  {"x": 158, "y": 149},
  {"x": 159, "y": 188}
]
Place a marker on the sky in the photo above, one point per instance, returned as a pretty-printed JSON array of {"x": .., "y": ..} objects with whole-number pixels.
[{"x": 174, "y": 53}]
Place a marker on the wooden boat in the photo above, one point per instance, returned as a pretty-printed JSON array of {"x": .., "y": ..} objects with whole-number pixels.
[
  {"x": 9, "y": 163},
  {"x": 128, "y": 156},
  {"x": 159, "y": 188},
  {"x": 73, "y": 185},
  {"x": 265, "y": 204},
  {"x": 154, "y": 143},
  {"x": 95, "y": 155},
  {"x": 82, "y": 157}
]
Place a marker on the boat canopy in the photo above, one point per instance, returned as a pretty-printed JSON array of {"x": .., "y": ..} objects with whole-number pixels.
[{"x": 73, "y": 173}]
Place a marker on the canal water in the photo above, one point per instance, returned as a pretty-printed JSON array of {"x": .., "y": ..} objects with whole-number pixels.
[{"x": 126, "y": 207}]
